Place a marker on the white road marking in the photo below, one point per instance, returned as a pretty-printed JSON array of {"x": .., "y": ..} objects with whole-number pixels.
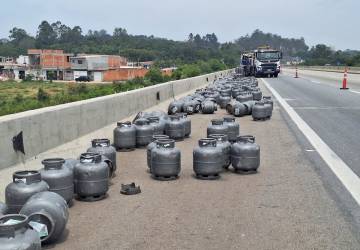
[
  {"x": 317, "y": 82},
  {"x": 326, "y": 108},
  {"x": 353, "y": 91},
  {"x": 343, "y": 172},
  {"x": 289, "y": 99},
  {"x": 310, "y": 150}
]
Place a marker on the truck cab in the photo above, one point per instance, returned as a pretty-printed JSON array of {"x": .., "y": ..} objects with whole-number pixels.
[{"x": 267, "y": 62}]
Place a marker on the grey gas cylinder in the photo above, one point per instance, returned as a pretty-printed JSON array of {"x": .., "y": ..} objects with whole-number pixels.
[
  {"x": 191, "y": 106},
  {"x": 233, "y": 128},
  {"x": 91, "y": 176},
  {"x": 239, "y": 109},
  {"x": 269, "y": 104},
  {"x": 49, "y": 209},
  {"x": 70, "y": 164},
  {"x": 16, "y": 233},
  {"x": 175, "y": 128},
  {"x": 187, "y": 123},
  {"x": 245, "y": 155},
  {"x": 249, "y": 106},
  {"x": 59, "y": 178},
  {"x": 257, "y": 95},
  {"x": 207, "y": 160},
  {"x": 125, "y": 136},
  {"x": 175, "y": 107},
  {"x": 144, "y": 132},
  {"x": 217, "y": 126},
  {"x": 165, "y": 160},
  {"x": 25, "y": 184},
  {"x": 223, "y": 143},
  {"x": 260, "y": 111},
  {"x": 3, "y": 208},
  {"x": 224, "y": 100},
  {"x": 244, "y": 97},
  {"x": 103, "y": 147},
  {"x": 159, "y": 126},
  {"x": 208, "y": 107},
  {"x": 152, "y": 145}
]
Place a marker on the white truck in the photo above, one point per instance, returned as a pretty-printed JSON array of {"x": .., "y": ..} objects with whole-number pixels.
[{"x": 267, "y": 62}]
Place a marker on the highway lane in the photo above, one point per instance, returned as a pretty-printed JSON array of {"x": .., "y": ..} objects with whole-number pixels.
[
  {"x": 333, "y": 115},
  {"x": 333, "y": 79}
]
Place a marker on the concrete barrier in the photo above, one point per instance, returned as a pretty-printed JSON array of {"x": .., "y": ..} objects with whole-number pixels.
[{"x": 49, "y": 127}]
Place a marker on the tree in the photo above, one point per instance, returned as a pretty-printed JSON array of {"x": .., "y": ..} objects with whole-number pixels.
[
  {"x": 190, "y": 71},
  {"x": 51, "y": 76},
  {"x": 166, "y": 52},
  {"x": 211, "y": 40},
  {"x": 25, "y": 44},
  {"x": 46, "y": 35},
  {"x": 17, "y": 35},
  {"x": 191, "y": 38},
  {"x": 21, "y": 40},
  {"x": 118, "y": 32},
  {"x": 321, "y": 51},
  {"x": 76, "y": 34},
  {"x": 197, "y": 40},
  {"x": 57, "y": 28},
  {"x": 289, "y": 47},
  {"x": 154, "y": 75}
]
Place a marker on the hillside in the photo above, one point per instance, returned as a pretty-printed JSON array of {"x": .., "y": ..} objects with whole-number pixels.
[{"x": 166, "y": 52}]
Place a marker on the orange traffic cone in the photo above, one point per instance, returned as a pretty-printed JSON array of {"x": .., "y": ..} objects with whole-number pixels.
[{"x": 344, "y": 82}]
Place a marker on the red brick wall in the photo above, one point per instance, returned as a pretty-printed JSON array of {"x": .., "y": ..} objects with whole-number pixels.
[
  {"x": 116, "y": 61},
  {"x": 166, "y": 72},
  {"x": 123, "y": 74},
  {"x": 54, "y": 61}
]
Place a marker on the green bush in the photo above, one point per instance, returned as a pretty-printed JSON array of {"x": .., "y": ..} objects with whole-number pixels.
[
  {"x": 204, "y": 67},
  {"x": 177, "y": 74},
  {"x": 77, "y": 88},
  {"x": 154, "y": 75},
  {"x": 216, "y": 65},
  {"x": 190, "y": 70},
  {"x": 19, "y": 98},
  {"x": 42, "y": 95},
  {"x": 137, "y": 80},
  {"x": 51, "y": 76},
  {"x": 29, "y": 78}
]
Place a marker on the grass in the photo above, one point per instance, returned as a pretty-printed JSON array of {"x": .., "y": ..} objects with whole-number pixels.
[{"x": 21, "y": 96}]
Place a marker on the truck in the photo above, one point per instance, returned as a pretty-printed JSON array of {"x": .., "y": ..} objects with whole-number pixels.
[
  {"x": 247, "y": 67},
  {"x": 263, "y": 61}
]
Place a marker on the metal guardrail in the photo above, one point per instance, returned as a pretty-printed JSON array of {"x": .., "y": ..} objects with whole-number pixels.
[{"x": 351, "y": 70}]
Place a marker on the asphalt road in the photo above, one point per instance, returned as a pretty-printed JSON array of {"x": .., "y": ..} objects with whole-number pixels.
[
  {"x": 284, "y": 206},
  {"x": 334, "y": 115},
  {"x": 333, "y": 79}
]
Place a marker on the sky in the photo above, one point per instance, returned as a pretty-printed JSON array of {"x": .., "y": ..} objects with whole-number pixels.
[{"x": 332, "y": 22}]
